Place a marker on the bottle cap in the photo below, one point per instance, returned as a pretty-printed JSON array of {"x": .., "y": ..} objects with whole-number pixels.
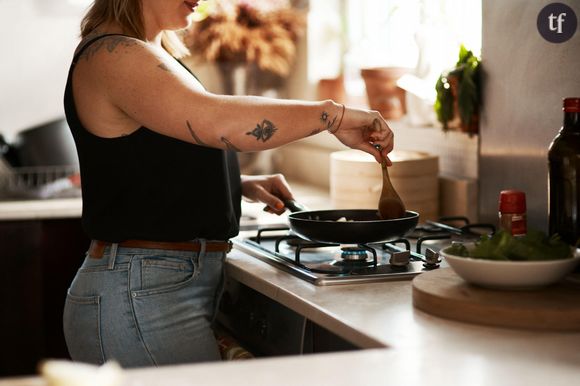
[
  {"x": 571, "y": 105},
  {"x": 512, "y": 201}
]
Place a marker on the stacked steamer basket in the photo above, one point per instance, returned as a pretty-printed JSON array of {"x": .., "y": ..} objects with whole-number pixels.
[{"x": 356, "y": 181}]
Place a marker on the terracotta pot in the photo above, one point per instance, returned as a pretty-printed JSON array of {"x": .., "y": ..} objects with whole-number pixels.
[
  {"x": 382, "y": 91},
  {"x": 332, "y": 89}
]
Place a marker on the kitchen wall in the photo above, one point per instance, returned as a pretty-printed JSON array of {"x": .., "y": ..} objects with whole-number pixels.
[
  {"x": 39, "y": 36},
  {"x": 526, "y": 78},
  {"x": 37, "y": 39}
]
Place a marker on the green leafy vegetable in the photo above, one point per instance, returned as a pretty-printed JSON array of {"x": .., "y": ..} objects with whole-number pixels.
[
  {"x": 458, "y": 249},
  {"x": 534, "y": 246}
]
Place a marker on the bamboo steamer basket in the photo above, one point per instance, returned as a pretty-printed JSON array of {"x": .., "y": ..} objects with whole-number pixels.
[{"x": 356, "y": 181}]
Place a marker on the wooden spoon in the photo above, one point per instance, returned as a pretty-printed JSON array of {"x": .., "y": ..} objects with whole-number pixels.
[{"x": 390, "y": 204}]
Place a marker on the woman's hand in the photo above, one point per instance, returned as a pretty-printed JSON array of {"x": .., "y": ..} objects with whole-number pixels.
[
  {"x": 272, "y": 190},
  {"x": 366, "y": 130}
]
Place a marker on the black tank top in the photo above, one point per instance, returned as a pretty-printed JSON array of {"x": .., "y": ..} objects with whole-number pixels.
[{"x": 153, "y": 187}]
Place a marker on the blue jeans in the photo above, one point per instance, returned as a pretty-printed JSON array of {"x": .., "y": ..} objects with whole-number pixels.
[{"x": 144, "y": 307}]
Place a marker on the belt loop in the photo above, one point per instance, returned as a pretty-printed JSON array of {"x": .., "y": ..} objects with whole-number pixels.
[
  {"x": 201, "y": 254},
  {"x": 112, "y": 255},
  {"x": 203, "y": 246}
]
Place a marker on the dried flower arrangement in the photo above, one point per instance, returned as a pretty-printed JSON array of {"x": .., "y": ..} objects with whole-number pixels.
[{"x": 261, "y": 32}]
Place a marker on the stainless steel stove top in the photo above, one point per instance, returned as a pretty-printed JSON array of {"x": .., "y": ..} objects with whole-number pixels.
[{"x": 333, "y": 264}]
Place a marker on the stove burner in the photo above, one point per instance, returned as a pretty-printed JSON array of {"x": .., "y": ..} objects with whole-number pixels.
[
  {"x": 351, "y": 264},
  {"x": 353, "y": 254}
]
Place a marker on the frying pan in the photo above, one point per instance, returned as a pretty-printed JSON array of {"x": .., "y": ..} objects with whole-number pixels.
[{"x": 364, "y": 225}]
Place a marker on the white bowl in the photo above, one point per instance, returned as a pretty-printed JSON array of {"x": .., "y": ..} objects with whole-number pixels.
[{"x": 511, "y": 274}]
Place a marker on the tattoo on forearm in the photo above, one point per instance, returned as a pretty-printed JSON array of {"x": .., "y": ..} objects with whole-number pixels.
[
  {"x": 263, "y": 131},
  {"x": 326, "y": 122},
  {"x": 229, "y": 145},
  {"x": 110, "y": 43},
  {"x": 195, "y": 137}
]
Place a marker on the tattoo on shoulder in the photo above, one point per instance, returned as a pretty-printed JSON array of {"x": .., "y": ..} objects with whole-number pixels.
[
  {"x": 263, "y": 131},
  {"x": 195, "y": 137},
  {"x": 110, "y": 43},
  {"x": 229, "y": 145}
]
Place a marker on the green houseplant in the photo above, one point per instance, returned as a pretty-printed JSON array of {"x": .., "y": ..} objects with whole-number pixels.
[{"x": 459, "y": 94}]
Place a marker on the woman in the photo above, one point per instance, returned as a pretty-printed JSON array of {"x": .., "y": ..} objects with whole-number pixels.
[{"x": 161, "y": 184}]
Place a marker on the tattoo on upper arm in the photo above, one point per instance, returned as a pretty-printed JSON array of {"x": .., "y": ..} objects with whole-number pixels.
[
  {"x": 229, "y": 145},
  {"x": 195, "y": 137},
  {"x": 263, "y": 131},
  {"x": 110, "y": 43}
]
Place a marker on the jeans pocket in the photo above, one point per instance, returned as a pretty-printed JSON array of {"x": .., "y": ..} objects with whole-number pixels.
[
  {"x": 82, "y": 328},
  {"x": 161, "y": 274}
]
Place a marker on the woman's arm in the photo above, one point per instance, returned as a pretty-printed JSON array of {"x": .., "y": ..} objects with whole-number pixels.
[{"x": 147, "y": 87}]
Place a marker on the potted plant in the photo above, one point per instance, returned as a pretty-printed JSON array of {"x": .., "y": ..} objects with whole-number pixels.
[
  {"x": 258, "y": 36},
  {"x": 383, "y": 93},
  {"x": 459, "y": 94}
]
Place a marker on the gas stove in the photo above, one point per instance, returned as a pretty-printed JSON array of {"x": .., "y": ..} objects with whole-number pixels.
[{"x": 333, "y": 264}]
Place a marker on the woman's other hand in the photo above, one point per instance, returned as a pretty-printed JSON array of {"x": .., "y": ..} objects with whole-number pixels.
[
  {"x": 271, "y": 190},
  {"x": 368, "y": 131}
]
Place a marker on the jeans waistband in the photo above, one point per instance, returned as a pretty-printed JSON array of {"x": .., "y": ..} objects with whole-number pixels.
[
  {"x": 109, "y": 254},
  {"x": 97, "y": 247}
]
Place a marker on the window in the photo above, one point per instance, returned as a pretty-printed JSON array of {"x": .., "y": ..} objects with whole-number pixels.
[{"x": 424, "y": 35}]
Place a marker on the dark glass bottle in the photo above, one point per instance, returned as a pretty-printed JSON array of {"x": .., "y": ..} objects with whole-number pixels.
[{"x": 564, "y": 176}]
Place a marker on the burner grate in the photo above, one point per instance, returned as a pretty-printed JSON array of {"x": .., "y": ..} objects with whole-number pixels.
[{"x": 331, "y": 264}]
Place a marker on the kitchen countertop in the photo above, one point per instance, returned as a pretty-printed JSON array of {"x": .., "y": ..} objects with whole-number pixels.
[
  {"x": 404, "y": 345},
  {"x": 72, "y": 207},
  {"x": 364, "y": 368},
  {"x": 41, "y": 209},
  {"x": 382, "y": 315}
]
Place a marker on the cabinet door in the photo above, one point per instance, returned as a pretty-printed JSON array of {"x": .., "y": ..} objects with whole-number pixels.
[
  {"x": 63, "y": 247},
  {"x": 21, "y": 293},
  {"x": 38, "y": 261}
]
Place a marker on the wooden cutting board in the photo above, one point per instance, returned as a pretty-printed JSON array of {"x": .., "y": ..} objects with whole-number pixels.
[{"x": 442, "y": 293}]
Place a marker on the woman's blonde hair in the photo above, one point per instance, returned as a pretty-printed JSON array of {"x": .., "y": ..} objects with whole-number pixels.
[{"x": 127, "y": 13}]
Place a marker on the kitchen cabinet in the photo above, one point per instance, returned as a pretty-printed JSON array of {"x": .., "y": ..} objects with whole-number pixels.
[
  {"x": 267, "y": 328},
  {"x": 39, "y": 258}
]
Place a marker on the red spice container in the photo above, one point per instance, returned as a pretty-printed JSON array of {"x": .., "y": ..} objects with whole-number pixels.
[{"x": 512, "y": 212}]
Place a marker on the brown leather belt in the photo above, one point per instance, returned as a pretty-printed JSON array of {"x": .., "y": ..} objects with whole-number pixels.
[{"x": 97, "y": 247}]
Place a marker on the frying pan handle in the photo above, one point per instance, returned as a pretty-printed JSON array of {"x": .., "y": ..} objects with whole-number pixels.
[{"x": 294, "y": 206}]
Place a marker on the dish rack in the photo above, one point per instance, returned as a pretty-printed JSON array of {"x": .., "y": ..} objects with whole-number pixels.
[{"x": 38, "y": 182}]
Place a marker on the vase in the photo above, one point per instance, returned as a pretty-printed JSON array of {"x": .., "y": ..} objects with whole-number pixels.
[
  {"x": 382, "y": 91},
  {"x": 240, "y": 78}
]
